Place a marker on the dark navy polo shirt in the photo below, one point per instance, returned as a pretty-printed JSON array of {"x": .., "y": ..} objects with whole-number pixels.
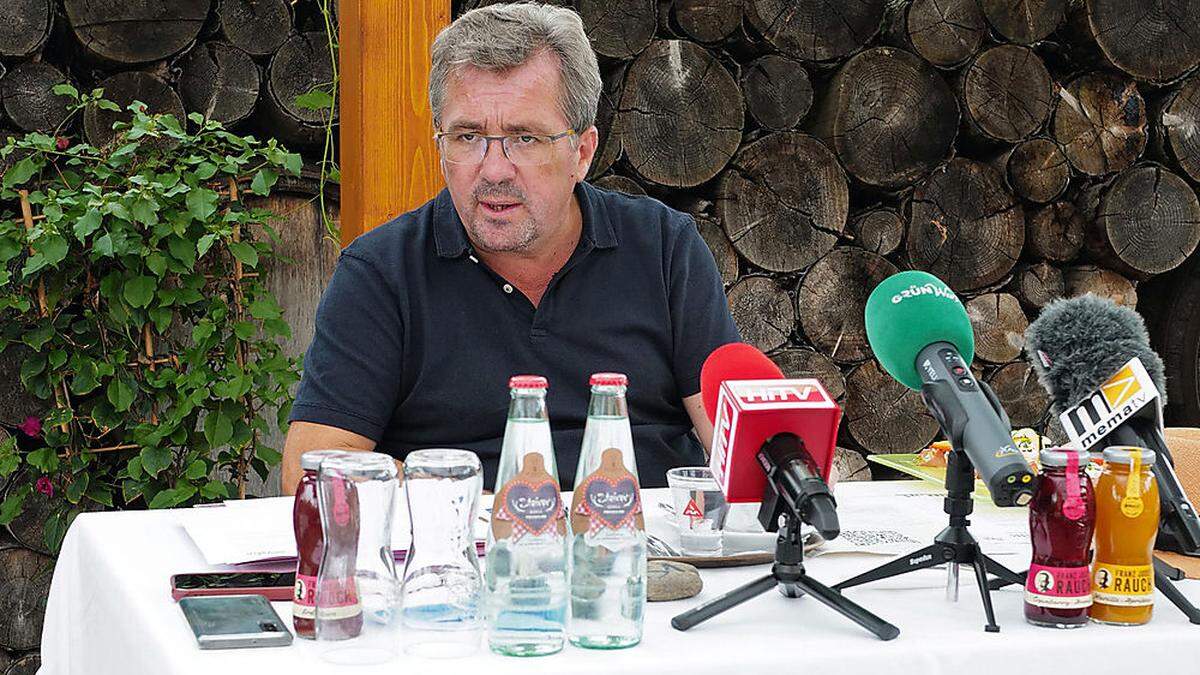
[{"x": 416, "y": 337}]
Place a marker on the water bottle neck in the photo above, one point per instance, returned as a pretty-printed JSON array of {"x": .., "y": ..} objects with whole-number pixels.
[
  {"x": 528, "y": 404},
  {"x": 608, "y": 401}
]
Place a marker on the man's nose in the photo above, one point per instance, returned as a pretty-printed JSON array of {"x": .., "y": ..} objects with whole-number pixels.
[{"x": 495, "y": 166}]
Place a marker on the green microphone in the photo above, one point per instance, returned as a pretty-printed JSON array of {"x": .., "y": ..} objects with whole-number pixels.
[{"x": 921, "y": 335}]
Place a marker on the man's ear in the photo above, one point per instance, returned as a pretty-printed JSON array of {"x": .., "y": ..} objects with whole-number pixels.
[{"x": 588, "y": 141}]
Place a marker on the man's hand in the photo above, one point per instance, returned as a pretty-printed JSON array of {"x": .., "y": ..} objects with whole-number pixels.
[{"x": 305, "y": 436}]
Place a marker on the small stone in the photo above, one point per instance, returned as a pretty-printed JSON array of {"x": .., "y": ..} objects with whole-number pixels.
[{"x": 669, "y": 580}]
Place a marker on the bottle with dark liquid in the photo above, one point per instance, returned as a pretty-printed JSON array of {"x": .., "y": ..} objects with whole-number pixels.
[
  {"x": 1062, "y": 518},
  {"x": 306, "y": 521}
]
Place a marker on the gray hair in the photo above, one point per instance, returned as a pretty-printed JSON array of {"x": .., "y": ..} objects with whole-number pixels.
[{"x": 502, "y": 37}]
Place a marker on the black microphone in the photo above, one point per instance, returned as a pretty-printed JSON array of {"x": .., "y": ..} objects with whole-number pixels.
[{"x": 1106, "y": 384}]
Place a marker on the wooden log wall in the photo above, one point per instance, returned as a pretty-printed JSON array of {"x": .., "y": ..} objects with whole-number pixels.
[
  {"x": 1022, "y": 151},
  {"x": 242, "y": 62}
]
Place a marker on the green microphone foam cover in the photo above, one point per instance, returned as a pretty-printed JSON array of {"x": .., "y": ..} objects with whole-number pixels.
[{"x": 909, "y": 311}]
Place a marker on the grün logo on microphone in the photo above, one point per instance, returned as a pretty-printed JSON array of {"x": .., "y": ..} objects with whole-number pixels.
[{"x": 930, "y": 288}]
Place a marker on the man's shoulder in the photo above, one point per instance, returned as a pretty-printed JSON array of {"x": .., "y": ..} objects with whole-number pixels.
[
  {"x": 641, "y": 219},
  {"x": 401, "y": 238}
]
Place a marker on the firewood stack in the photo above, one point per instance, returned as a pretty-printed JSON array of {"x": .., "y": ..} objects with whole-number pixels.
[
  {"x": 1021, "y": 150},
  {"x": 241, "y": 62}
]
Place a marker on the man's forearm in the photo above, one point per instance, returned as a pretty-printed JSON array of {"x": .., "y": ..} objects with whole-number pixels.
[{"x": 305, "y": 436}]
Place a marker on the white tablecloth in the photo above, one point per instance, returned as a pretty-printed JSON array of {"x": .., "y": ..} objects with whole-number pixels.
[{"x": 110, "y": 611}]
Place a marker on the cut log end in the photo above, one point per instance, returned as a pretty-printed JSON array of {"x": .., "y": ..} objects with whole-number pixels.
[
  {"x": 1023, "y": 397},
  {"x": 29, "y": 100},
  {"x": 1007, "y": 93},
  {"x": 879, "y": 230},
  {"x": 797, "y": 363},
  {"x": 999, "y": 324},
  {"x": 822, "y": 30},
  {"x": 123, "y": 89},
  {"x": 884, "y": 416},
  {"x": 723, "y": 251},
  {"x": 1105, "y": 283},
  {"x": 1024, "y": 21},
  {"x": 619, "y": 29},
  {"x": 1100, "y": 123},
  {"x": 680, "y": 114},
  {"x": 258, "y": 27},
  {"x": 1038, "y": 170},
  {"x": 1148, "y": 222},
  {"x": 1152, "y": 41},
  {"x": 221, "y": 82},
  {"x": 833, "y": 297},
  {"x": 24, "y": 26},
  {"x": 24, "y": 585},
  {"x": 969, "y": 242},
  {"x": 136, "y": 32},
  {"x": 783, "y": 201},
  {"x": 890, "y": 150},
  {"x": 945, "y": 32},
  {"x": 763, "y": 311},
  {"x": 778, "y": 92},
  {"x": 1039, "y": 284},
  {"x": 1055, "y": 232}
]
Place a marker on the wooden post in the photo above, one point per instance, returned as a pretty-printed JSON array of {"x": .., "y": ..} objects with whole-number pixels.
[{"x": 389, "y": 160}]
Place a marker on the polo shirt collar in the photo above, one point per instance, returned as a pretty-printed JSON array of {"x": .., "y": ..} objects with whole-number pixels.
[{"x": 450, "y": 238}]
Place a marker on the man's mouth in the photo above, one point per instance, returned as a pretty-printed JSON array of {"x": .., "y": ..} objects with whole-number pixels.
[{"x": 498, "y": 207}]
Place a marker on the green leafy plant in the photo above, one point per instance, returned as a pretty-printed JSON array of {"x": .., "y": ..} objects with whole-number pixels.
[
  {"x": 134, "y": 294},
  {"x": 323, "y": 98}
]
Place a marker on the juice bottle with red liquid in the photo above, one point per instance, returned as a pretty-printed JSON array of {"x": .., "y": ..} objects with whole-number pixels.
[
  {"x": 306, "y": 521},
  {"x": 338, "y": 609},
  {"x": 1062, "y": 518}
]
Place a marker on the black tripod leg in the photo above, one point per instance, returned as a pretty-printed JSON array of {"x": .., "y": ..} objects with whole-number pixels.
[
  {"x": 847, "y": 608},
  {"x": 1168, "y": 570},
  {"x": 930, "y": 556},
  {"x": 717, "y": 605},
  {"x": 1162, "y": 583},
  {"x": 982, "y": 579},
  {"x": 1006, "y": 576}
]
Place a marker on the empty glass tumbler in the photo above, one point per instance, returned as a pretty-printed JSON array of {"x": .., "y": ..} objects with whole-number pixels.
[
  {"x": 443, "y": 613},
  {"x": 357, "y": 595}
]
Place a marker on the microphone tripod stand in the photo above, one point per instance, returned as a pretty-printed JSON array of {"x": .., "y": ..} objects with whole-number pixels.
[
  {"x": 954, "y": 545},
  {"x": 789, "y": 576}
]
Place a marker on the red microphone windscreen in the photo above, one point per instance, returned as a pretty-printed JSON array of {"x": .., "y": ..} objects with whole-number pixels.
[{"x": 734, "y": 361}]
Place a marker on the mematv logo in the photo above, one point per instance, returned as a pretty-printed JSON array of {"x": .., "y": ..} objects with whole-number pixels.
[{"x": 1121, "y": 387}]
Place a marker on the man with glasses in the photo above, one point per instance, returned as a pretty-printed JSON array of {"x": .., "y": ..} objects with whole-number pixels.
[{"x": 518, "y": 266}]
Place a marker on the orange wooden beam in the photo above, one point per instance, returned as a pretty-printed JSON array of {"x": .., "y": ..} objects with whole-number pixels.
[{"x": 389, "y": 161}]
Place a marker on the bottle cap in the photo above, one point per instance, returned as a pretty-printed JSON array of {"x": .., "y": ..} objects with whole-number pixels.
[
  {"x": 1123, "y": 454},
  {"x": 609, "y": 380},
  {"x": 1058, "y": 456},
  {"x": 311, "y": 460},
  {"x": 527, "y": 382}
]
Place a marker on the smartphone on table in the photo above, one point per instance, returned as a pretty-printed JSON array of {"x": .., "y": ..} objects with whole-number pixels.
[
  {"x": 277, "y": 586},
  {"x": 234, "y": 622}
]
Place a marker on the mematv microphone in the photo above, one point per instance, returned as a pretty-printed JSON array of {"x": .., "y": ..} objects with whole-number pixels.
[{"x": 1106, "y": 383}]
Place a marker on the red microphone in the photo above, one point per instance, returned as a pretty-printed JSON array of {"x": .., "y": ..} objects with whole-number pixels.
[{"x": 750, "y": 403}]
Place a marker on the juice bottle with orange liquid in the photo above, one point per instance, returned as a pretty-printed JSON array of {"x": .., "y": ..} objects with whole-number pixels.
[{"x": 1126, "y": 526}]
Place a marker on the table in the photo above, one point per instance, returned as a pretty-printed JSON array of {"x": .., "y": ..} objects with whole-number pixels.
[{"x": 110, "y": 611}]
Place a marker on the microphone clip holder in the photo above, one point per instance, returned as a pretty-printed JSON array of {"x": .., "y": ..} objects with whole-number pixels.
[
  {"x": 954, "y": 545},
  {"x": 788, "y": 575}
]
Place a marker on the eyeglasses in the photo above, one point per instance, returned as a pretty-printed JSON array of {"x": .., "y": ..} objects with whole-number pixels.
[{"x": 467, "y": 147}]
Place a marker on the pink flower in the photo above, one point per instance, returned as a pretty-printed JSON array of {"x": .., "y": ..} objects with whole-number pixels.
[
  {"x": 44, "y": 486},
  {"x": 32, "y": 426},
  {"x": 62, "y": 142}
]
